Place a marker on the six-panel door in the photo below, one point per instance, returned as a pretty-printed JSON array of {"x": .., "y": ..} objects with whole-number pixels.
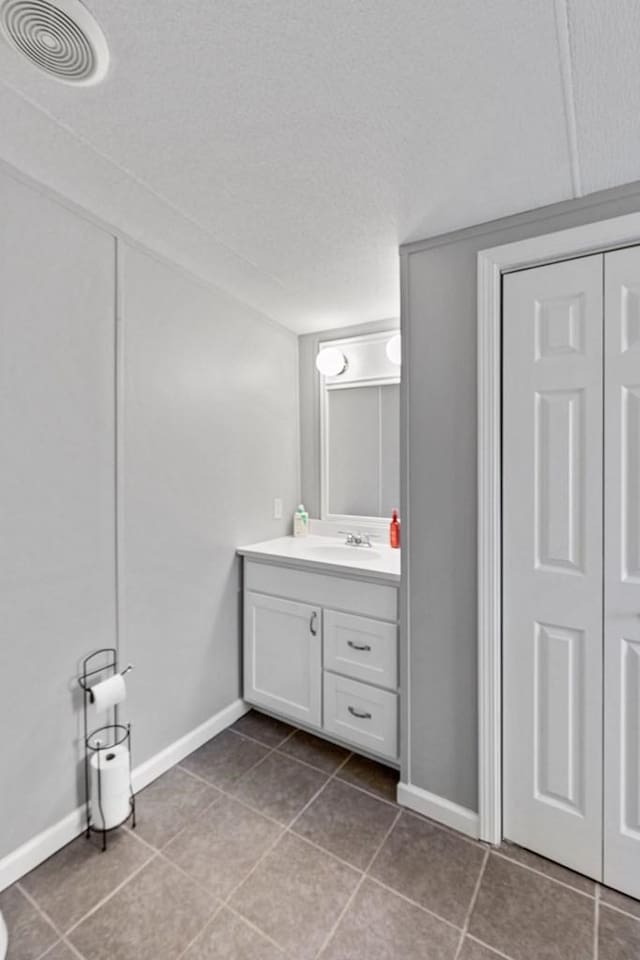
[
  {"x": 552, "y": 561},
  {"x": 622, "y": 571},
  {"x": 283, "y": 656}
]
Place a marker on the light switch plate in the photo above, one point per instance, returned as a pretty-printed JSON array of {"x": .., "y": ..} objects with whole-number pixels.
[{"x": 277, "y": 508}]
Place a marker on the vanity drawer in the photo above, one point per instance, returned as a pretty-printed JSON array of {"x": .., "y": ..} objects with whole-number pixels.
[
  {"x": 361, "y": 648},
  {"x": 338, "y": 592},
  {"x": 361, "y": 714}
]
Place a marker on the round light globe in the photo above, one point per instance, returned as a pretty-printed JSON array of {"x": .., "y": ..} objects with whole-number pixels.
[
  {"x": 394, "y": 349},
  {"x": 331, "y": 362}
]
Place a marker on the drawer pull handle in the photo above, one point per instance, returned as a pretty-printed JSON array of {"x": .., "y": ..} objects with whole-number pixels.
[
  {"x": 360, "y": 715},
  {"x": 358, "y": 646},
  {"x": 312, "y": 624}
]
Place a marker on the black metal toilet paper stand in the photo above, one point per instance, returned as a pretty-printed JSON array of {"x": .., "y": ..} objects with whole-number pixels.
[{"x": 102, "y": 741}]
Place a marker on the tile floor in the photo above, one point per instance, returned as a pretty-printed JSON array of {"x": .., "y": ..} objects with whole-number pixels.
[{"x": 267, "y": 843}]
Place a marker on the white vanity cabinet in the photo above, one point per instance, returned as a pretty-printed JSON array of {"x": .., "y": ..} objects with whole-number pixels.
[{"x": 321, "y": 649}]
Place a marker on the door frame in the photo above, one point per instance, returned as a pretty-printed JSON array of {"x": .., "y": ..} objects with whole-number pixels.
[{"x": 492, "y": 263}]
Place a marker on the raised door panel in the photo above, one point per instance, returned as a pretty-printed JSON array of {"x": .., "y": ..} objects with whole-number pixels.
[
  {"x": 283, "y": 657},
  {"x": 552, "y": 561},
  {"x": 622, "y": 571}
]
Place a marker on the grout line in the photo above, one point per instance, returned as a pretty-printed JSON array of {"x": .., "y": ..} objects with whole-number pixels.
[
  {"x": 254, "y": 926},
  {"x": 200, "y": 813},
  {"x": 284, "y": 830},
  {"x": 596, "y": 924},
  {"x": 539, "y": 873},
  {"x": 43, "y": 913},
  {"x": 200, "y": 932},
  {"x": 111, "y": 893},
  {"x": 625, "y": 913},
  {"x": 354, "y": 893},
  {"x": 414, "y": 903},
  {"x": 488, "y": 946},
  {"x": 472, "y": 903}
]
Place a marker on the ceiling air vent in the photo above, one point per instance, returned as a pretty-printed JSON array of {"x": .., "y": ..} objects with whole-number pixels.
[{"x": 61, "y": 38}]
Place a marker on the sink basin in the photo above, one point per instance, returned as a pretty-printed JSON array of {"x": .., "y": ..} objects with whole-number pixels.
[{"x": 338, "y": 553}]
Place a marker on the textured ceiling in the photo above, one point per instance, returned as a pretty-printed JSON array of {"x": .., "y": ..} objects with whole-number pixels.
[{"x": 284, "y": 149}]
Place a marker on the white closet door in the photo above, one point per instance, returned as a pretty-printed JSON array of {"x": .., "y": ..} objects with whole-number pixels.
[
  {"x": 552, "y": 561},
  {"x": 622, "y": 571}
]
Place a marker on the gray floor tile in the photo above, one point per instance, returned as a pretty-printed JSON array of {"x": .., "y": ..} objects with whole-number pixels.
[
  {"x": 316, "y": 751},
  {"x": 169, "y": 804},
  {"x": 224, "y": 759},
  {"x": 371, "y": 776},
  {"x": 228, "y": 937},
  {"x": 619, "y": 900},
  {"x": 381, "y": 925},
  {"x": 529, "y": 917},
  {"x": 60, "y": 952},
  {"x": 471, "y": 950},
  {"x": 295, "y": 895},
  {"x": 219, "y": 848},
  {"x": 266, "y": 729},
  {"x": 279, "y": 787},
  {"x": 154, "y": 916},
  {"x": 29, "y": 933},
  {"x": 347, "y": 822},
  {"x": 548, "y": 867},
  {"x": 618, "y": 936},
  {"x": 436, "y": 868},
  {"x": 75, "y": 879}
]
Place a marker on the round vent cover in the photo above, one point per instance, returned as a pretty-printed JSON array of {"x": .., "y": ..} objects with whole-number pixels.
[{"x": 61, "y": 38}]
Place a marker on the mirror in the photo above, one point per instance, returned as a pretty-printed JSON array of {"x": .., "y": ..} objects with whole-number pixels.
[{"x": 360, "y": 427}]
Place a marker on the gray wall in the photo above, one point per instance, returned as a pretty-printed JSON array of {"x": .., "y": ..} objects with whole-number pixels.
[
  {"x": 207, "y": 437},
  {"x": 57, "y": 508},
  {"x": 439, "y": 486},
  {"x": 309, "y": 384}
]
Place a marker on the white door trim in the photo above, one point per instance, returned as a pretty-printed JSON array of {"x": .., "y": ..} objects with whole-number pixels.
[{"x": 492, "y": 263}]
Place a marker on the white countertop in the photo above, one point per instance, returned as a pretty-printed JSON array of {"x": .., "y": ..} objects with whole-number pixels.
[{"x": 329, "y": 555}]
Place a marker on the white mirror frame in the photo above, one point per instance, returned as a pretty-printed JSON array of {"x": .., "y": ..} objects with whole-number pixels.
[{"x": 382, "y": 372}]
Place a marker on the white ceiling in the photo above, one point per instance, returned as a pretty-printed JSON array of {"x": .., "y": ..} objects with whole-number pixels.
[{"x": 284, "y": 148}]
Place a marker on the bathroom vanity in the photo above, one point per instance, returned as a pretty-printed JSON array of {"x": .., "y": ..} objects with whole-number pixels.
[{"x": 321, "y": 638}]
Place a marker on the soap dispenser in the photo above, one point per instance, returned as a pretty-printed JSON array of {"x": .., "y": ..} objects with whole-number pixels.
[{"x": 300, "y": 522}]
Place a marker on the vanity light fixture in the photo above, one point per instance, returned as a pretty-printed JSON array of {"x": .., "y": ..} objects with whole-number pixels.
[
  {"x": 331, "y": 362},
  {"x": 394, "y": 349}
]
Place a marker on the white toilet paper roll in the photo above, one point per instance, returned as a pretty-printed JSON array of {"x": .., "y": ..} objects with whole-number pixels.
[
  {"x": 110, "y": 796},
  {"x": 108, "y": 693}
]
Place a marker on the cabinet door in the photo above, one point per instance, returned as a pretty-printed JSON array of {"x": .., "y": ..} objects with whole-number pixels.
[
  {"x": 283, "y": 656},
  {"x": 622, "y": 572},
  {"x": 552, "y": 561}
]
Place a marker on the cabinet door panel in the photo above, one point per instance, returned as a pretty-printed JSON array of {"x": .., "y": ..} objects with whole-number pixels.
[{"x": 283, "y": 657}]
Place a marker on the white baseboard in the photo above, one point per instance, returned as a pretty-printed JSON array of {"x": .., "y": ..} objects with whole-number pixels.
[
  {"x": 153, "y": 768},
  {"x": 437, "y": 808},
  {"x": 19, "y": 862}
]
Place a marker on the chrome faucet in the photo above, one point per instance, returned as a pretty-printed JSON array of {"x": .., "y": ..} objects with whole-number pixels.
[{"x": 356, "y": 539}]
